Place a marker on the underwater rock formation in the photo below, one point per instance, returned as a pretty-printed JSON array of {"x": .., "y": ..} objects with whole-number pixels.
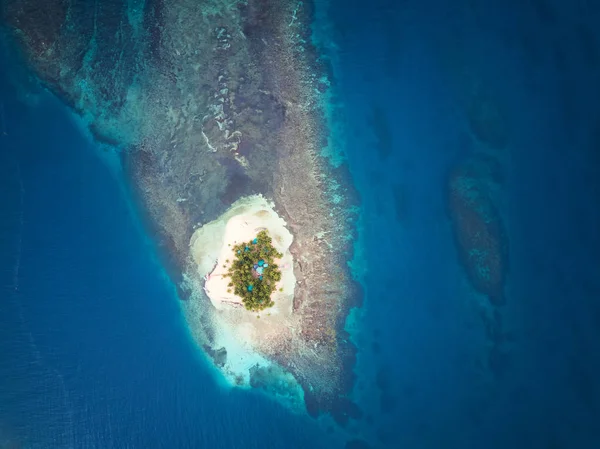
[
  {"x": 486, "y": 120},
  {"x": 207, "y": 102},
  {"x": 478, "y": 228}
]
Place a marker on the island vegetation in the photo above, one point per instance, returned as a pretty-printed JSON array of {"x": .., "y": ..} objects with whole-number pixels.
[{"x": 254, "y": 273}]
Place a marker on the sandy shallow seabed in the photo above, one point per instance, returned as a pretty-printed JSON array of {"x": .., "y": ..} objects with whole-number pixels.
[{"x": 238, "y": 331}]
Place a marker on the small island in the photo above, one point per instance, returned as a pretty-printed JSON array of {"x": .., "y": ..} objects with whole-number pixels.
[
  {"x": 244, "y": 331},
  {"x": 254, "y": 273},
  {"x": 245, "y": 260}
]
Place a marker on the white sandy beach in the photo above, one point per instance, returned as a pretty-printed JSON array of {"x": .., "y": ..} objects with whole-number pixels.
[
  {"x": 245, "y": 336},
  {"x": 212, "y": 246}
]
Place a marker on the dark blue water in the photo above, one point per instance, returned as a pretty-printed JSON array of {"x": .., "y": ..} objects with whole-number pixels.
[
  {"x": 425, "y": 357},
  {"x": 93, "y": 349}
]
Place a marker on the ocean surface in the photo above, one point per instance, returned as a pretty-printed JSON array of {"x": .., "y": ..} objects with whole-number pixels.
[{"x": 94, "y": 351}]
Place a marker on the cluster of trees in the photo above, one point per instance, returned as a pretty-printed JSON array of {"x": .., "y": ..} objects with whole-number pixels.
[{"x": 254, "y": 273}]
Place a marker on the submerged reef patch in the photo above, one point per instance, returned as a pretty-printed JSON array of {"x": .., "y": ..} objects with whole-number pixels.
[
  {"x": 487, "y": 121},
  {"x": 478, "y": 227}
]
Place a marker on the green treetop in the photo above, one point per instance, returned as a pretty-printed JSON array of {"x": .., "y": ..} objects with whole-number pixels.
[{"x": 254, "y": 273}]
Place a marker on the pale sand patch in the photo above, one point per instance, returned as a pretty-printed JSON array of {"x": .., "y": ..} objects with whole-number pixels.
[
  {"x": 213, "y": 244},
  {"x": 247, "y": 339}
]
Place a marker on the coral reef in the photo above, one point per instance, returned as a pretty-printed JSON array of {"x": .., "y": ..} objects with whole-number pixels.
[{"x": 478, "y": 228}]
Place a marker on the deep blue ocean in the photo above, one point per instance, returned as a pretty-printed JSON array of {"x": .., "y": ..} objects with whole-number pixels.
[{"x": 94, "y": 351}]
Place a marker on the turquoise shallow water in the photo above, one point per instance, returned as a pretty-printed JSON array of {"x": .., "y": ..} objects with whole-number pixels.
[{"x": 94, "y": 352}]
